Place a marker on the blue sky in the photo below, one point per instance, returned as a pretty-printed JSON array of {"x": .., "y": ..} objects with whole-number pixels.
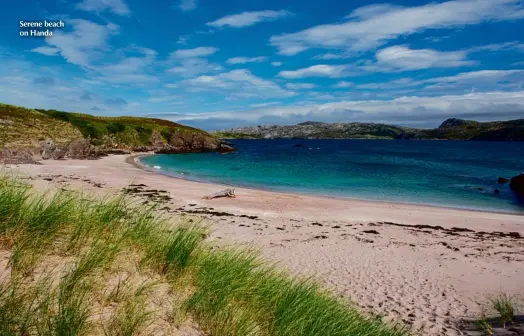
[{"x": 220, "y": 64}]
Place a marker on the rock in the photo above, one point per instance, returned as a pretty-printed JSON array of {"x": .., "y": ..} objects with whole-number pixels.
[
  {"x": 517, "y": 185},
  {"x": 48, "y": 147},
  {"x": 502, "y": 180},
  {"x": 496, "y": 191},
  {"x": 298, "y": 146}
]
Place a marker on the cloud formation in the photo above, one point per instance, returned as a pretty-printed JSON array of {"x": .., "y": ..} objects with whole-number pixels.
[
  {"x": 237, "y": 84},
  {"x": 246, "y": 19},
  {"x": 411, "y": 111},
  {"x": 244, "y": 60},
  {"x": 371, "y": 26},
  {"x": 196, "y": 52},
  {"x": 321, "y": 70}
]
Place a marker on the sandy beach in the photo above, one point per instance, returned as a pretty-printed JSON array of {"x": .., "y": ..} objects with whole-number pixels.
[{"x": 426, "y": 266}]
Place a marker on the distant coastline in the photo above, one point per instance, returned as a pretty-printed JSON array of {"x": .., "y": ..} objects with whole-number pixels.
[{"x": 450, "y": 129}]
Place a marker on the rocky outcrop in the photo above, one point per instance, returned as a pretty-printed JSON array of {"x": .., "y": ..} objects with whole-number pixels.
[{"x": 517, "y": 185}]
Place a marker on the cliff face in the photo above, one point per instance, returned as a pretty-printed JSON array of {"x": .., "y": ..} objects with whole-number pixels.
[
  {"x": 451, "y": 129},
  {"x": 30, "y": 135}
]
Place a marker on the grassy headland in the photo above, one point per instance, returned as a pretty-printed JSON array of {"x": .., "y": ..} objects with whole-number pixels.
[
  {"x": 79, "y": 265},
  {"x": 30, "y": 128}
]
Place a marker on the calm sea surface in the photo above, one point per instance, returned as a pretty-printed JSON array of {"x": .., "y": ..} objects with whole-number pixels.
[{"x": 446, "y": 173}]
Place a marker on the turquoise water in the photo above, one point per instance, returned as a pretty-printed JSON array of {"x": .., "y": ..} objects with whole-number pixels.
[{"x": 455, "y": 174}]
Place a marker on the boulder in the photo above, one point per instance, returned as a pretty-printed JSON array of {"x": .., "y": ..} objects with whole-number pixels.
[
  {"x": 516, "y": 184},
  {"x": 502, "y": 180},
  {"x": 47, "y": 147}
]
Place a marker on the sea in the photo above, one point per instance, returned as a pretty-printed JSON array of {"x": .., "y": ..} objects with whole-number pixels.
[{"x": 456, "y": 174}]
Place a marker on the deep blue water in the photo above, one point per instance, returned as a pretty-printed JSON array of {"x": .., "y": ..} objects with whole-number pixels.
[{"x": 445, "y": 173}]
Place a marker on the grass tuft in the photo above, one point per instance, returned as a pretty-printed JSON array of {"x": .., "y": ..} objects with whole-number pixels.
[{"x": 504, "y": 305}]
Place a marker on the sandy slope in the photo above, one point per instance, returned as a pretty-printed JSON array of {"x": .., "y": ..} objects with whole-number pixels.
[{"x": 428, "y": 271}]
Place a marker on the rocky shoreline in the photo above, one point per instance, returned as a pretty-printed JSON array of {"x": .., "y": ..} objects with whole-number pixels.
[{"x": 83, "y": 149}]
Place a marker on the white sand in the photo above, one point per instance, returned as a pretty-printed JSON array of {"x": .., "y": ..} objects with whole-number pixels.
[{"x": 427, "y": 277}]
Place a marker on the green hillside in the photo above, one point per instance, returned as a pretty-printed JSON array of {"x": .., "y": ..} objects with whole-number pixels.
[
  {"x": 24, "y": 127},
  {"x": 89, "y": 135}
]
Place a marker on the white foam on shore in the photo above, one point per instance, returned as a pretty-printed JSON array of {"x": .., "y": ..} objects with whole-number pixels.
[{"x": 157, "y": 167}]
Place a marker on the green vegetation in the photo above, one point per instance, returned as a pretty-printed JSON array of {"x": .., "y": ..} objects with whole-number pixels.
[
  {"x": 504, "y": 305},
  {"x": 498, "y": 313},
  {"x": 85, "y": 266},
  {"x": 129, "y": 130},
  {"x": 27, "y": 127},
  {"x": 459, "y": 129}
]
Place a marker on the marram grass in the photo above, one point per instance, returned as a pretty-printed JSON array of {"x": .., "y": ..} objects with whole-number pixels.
[{"x": 63, "y": 247}]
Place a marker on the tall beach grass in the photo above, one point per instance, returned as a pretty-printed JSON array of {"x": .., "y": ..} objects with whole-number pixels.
[{"x": 65, "y": 247}]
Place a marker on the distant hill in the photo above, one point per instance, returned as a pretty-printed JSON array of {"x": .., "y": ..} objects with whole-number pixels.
[
  {"x": 451, "y": 129},
  {"x": 58, "y": 134}
]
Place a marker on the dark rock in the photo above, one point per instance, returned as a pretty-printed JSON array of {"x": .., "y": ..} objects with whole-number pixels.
[
  {"x": 298, "y": 146},
  {"x": 502, "y": 180},
  {"x": 517, "y": 185},
  {"x": 371, "y": 231}
]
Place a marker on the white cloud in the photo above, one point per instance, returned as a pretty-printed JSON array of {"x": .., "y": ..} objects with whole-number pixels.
[
  {"x": 321, "y": 70},
  {"x": 330, "y": 56},
  {"x": 244, "y": 60},
  {"x": 343, "y": 85},
  {"x": 187, "y": 5},
  {"x": 49, "y": 51},
  {"x": 237, "y": 84},
  {"x": 195, "y": 66},
  {"x": 196, "y": 52},
  {"x": 276, "y": 64},
  {"x": 116, "y": 6},
  {"x": 371, "y": 26},
  {"x": 84, "y": 45},
  {"x": 428, "y": 111},
  {"x": 300, "y": 86},
  {"x": 402, "y": 58},
  {"x": 248, "y": 18}
]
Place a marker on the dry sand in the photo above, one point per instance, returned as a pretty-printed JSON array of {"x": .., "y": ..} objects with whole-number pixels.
[{"x": 426, "y": 266}]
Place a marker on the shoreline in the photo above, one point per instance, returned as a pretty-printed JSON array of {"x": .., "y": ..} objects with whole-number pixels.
[
  {"x": 134, "y": 159},
  {"x": 429, "y": 267}
]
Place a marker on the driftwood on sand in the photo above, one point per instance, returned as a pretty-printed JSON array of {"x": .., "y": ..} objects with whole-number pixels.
[{"x": 224, "y": 193}]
